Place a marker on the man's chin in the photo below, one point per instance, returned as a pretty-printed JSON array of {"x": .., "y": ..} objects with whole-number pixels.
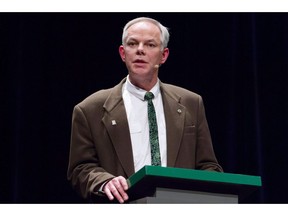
[{"x": 140, "y": 73}]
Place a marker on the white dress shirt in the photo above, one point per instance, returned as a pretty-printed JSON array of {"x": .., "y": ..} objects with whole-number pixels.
[{"x": 136, "y": 109}]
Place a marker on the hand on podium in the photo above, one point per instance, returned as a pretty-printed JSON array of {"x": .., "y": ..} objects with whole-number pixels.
[{"x": 116, "y": 188}]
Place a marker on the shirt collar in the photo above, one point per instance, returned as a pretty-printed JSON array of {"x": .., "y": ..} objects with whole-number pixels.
[{"x": 140, "y": 93}]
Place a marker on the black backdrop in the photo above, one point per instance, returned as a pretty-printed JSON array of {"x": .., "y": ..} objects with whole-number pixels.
[{"x": 51, "y": 61}]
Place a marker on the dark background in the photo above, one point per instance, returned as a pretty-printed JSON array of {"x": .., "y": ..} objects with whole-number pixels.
[{"x": 49, "y": 62}]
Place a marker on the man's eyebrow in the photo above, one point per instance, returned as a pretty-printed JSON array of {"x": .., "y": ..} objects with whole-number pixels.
[
  {"x": 145, "y": 41},
  {"x": 131, "y": 38},
  {"x": 151, "y": 40}
]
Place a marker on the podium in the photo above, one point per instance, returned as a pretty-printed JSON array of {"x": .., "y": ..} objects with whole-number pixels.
[{"x": 155, "y": 184}]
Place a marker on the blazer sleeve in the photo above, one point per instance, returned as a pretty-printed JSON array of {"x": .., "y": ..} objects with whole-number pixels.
[
  {"x": 84, "y": 171},
  {"x": 205, "y": 156}
]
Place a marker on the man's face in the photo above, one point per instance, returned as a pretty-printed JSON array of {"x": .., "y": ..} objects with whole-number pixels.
[{"x": 142, "y": 52}]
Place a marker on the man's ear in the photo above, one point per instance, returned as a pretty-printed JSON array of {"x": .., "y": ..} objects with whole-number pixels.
[
  {"x": 165, "y": 55},
  {"x": 122, "y": 52}
]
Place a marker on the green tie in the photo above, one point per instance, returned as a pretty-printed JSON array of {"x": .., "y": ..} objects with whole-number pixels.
[{"x": 153, "y": 131}]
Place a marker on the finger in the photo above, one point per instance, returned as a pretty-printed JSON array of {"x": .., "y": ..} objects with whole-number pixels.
[
  {"x": 122, "y": 193},
  {"x": 111, "y": 190},
  {"x": 115, "y": 188},
  {"x": 108, "y": 192},
  {"x": 118, "y": 191},
  {"x": 124, "y": 183},
  {"x": 123, "y": 186}
]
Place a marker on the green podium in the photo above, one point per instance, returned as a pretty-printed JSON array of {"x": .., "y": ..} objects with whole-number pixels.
[{"x": 154, "y": 184}]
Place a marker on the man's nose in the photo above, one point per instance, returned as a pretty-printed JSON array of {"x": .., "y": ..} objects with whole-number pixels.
[{"x": 140, "y": 49}]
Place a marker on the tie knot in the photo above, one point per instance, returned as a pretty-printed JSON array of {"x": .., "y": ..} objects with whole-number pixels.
[{"x": 149, "y": 96}]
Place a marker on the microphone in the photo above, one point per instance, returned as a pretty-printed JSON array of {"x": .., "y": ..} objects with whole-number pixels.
[{"x": 157, "y": 66}]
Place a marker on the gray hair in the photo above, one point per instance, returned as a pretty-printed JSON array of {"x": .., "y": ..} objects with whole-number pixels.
[{"x": 164, "y": 37}]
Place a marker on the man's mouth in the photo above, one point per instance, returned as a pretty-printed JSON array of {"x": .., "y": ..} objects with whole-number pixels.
[{"x": 139, "y": 61}]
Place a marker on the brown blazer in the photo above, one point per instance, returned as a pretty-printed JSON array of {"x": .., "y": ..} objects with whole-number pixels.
[{"x": 101, "y": 150}]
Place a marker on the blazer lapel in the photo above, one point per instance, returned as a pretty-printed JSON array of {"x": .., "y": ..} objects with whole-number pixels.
[
  {"x": 174, "y": 117},
  {"x": 116, "y": 123}
]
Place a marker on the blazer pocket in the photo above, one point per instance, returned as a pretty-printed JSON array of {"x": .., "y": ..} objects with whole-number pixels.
[{"x": 189, "y": 129}]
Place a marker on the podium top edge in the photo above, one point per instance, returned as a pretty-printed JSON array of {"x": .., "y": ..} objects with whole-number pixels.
[{"x": 196, "y": 175}]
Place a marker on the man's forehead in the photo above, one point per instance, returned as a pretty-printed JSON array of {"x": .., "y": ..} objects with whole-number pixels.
[
  {"x": 143, "y": 29},
  {"x": 143, "y": 26}
]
